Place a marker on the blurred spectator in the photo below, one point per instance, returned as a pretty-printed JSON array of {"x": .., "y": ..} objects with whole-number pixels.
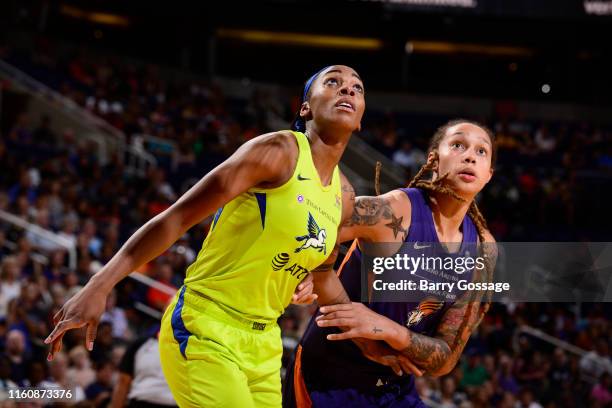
[
  {"x": 80, "y": 371},
  {"x": 505, "y": 377},
  {"x": 560, "y": 373},
  {"x": 103, "y": 346},
  {"x": 163, "y": 274},
  {"x": 40, "y": 242},
  {"x": 5, "y": 377},
  {"x": 4, "y": 251},
  {"x": 597, "y": 361},
  {"x": 89, "y": 239},
  {"x": 36, "y": 374},
  {"x": 116, "y": 316},
  {"x": 474, "y": 373},
  {"x": 409, "y": 156},
  {"x": 141, "y": 380},
  {"x": 544, "y": 140},
  {"x": 448, "y": 397},
  {"x": 20, "y": 134},
  {"x": 43, "y": 135},
  {"x": 25, "y": 187},
  {"x": 59, "y": 379},
  {"x": 56, "y": 270},
  {"x": 601, "y": 393},
  {"x": 99, "y": 392},
  {"x": 68, "y": 231},
  {"x": 526, "y": 400},
  {"x": 508, "y": 400},
  {"x": 10, "y": 286},
  {"x": 15, "y": 351}
]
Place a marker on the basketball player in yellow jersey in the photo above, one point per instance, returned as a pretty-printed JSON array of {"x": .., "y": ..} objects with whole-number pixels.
[{"x": 279, "y": 200}]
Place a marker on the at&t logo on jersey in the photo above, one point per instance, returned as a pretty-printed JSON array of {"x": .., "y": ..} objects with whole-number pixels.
[
  {"x": 280, "y": 260},
  {"x": 315, "y": 237}
]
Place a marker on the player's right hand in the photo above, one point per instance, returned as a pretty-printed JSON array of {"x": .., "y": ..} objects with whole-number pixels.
[{"x": 84, "y": 309}]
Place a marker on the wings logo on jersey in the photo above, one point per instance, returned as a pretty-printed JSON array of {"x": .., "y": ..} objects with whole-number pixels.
[
  {"x": 424, "y": 309},
  {"x": 315, "y": 237}
]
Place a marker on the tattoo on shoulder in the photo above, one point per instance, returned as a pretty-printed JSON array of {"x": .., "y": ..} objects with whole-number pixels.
[
  {"x": 396, "y": 226},
  {"x": 370, "y": 211},
  {"x": 373, "y": 210}
]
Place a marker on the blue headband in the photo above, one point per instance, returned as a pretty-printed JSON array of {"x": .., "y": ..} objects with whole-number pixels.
[{"x": 299, "y": 123}]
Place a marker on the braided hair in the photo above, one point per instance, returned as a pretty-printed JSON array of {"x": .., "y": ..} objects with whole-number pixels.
[{"x": 439, "y": 186}]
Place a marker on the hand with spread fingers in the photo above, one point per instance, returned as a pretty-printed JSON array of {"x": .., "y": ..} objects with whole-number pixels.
[
  {"x": 303, "y": 293},
  {"x": 84, "y": 309}
]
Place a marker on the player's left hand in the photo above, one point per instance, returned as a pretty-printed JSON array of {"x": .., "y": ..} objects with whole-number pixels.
[
  {"x": 355, "y": 320},
  {"x": 303, "y": 293}
]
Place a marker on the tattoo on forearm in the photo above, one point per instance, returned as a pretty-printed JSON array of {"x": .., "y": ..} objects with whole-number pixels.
[
  {"x": 376, "y": 330},
  {"x": 434, "y": 353},
  {"x": 426, "y": 352}
]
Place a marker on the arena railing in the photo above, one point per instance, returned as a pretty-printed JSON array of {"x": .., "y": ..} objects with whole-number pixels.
[
  {"x": 107, "y": 138},
  {"x": 552, "y": 340},
  {"x": 532, "y": 331},
  {"x": 362, "y": 159},
  {"x": 49, "y": 235}
]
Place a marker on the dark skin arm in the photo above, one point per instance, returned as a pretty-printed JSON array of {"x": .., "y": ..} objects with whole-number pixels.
[
  {"x": 261, "y": 162},
  {"x": 326, "y": 283}
]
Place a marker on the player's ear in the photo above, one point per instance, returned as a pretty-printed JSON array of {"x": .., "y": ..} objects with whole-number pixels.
[{"x": 305, "y": 111}]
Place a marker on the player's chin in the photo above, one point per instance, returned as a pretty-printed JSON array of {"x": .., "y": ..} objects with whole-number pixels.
[
  {"x": 346, "y": 123},
  {"x": 467, "y": 189}
]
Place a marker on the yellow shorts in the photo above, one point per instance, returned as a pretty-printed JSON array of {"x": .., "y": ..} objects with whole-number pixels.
[{"x": 213, "y": 357}]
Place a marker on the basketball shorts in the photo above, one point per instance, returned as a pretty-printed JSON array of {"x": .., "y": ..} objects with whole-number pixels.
[{"x": 213, "y": 357}]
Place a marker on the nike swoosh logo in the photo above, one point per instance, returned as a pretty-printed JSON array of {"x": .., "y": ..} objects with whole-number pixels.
[
  {"x": 417, "y": 246},
  {"x": 300, "y": 178}
]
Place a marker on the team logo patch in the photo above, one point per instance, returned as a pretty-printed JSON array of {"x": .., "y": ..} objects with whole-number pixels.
[
  {"x": 279, "y": 261},
  {"x": 424, "y": 309},
  {"x": 315, "y": 237}
]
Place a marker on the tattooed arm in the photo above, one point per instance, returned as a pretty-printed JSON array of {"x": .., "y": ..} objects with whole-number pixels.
[
  {"x": 369, "y": 219},
  {"x": 385, "y": 218},
  {"x": 330, "y": 291},
  {"x": 435, "y": 355},
  {"x": 438, "y": 355}
]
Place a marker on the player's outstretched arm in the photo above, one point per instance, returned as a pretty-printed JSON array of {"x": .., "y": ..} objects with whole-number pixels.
[{"x": 262, "y": 162}]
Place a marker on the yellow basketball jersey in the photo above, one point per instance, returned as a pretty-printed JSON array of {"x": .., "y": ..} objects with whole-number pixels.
[{"x": 265, "y": 241}]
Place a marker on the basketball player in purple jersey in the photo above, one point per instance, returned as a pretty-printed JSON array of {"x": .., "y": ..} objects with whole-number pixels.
[{"x": 429, "y": 334}]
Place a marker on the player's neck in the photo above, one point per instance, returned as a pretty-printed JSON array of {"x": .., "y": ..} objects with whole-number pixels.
[
  {"x": 448, "y": 214},
  {"x": 327, "y": 149}
]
